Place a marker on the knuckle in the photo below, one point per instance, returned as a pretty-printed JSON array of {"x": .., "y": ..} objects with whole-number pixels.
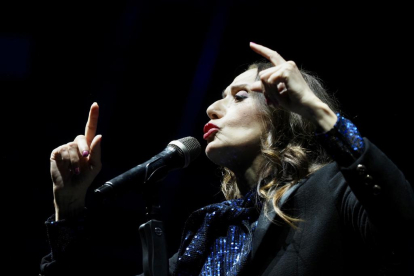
[
  {"x": 291, "y": 64},
  {"x": 72, "y": 145},
  {"x": 55, "y": 152},
  {"x": 53, "y": 155},
  {"x": 79, "y": 137}
]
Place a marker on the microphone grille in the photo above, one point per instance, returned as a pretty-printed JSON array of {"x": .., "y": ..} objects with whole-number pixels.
[{"x": 189, "y": 146}]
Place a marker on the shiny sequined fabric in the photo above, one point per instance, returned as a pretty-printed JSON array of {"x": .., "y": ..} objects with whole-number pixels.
[
  {"x": 217, "y": 238},
  {"x": 343, "y": 142},
  {"x": 228, "y": 252}
]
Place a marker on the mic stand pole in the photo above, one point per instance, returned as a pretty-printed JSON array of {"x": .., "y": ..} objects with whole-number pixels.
[{"x": 154, "y": 249}]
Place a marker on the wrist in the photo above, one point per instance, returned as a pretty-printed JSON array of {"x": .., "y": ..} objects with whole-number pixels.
[
  {"x": 65, "y": 211},
  {"x": 322, "y": 116}
]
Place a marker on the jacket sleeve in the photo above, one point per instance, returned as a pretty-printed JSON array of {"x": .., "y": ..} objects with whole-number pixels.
[
  {"x": 82, "y": 246},
  {"x": 375, "y": 199},
  {"x": 383, "y": 191},
  {"x": 378, "y": 184},
  {"x": 380, "y": 209},
  {"x": 69, "y": 246}
]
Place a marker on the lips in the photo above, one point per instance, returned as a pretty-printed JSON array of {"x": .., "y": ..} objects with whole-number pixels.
[{"x": 210, "y": 129}]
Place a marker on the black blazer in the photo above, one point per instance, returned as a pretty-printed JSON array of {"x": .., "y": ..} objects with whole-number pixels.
[{"x": 356, "y": 220}]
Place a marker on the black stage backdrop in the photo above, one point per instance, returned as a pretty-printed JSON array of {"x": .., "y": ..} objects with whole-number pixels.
[{"x": 154, "y": 67}]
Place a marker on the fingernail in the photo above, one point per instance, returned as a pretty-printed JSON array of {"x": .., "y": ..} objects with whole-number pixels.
[
  {"x": 85, "y": 153},
  {"x": 77, "y": 171},
  {"x": 252, "y": 42}
]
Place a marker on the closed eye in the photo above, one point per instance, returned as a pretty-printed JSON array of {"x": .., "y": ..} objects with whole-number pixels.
[{"x": 241, "y": 95}]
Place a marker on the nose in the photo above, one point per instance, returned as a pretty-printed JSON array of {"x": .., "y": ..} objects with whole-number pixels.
[{"x": 215, "y": 110}]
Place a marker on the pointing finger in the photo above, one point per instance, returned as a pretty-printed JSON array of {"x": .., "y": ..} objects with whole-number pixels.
[
  {"x": 92, "y": 124},
  {"x": 271, "y": 55}
]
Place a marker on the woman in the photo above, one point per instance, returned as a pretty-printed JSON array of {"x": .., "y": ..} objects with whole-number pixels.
[{"x": 307, "y": 195}]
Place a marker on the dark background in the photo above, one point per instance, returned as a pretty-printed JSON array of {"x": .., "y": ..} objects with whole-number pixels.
[{"x": 154, "y": 67}]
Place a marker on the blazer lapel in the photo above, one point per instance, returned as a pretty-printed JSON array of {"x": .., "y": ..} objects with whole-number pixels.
[{"x": 264, "y": 223}]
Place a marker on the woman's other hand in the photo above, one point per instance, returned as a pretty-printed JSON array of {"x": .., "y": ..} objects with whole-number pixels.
[{"x": 73, "y": 168}]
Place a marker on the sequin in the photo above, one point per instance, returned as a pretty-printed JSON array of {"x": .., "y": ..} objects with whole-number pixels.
[
  {"x": 220, "y": 238},
  {"x": 343, "y": 142}
]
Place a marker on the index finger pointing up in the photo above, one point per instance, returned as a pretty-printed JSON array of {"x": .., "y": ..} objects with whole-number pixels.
[
  {"x": 271, "y": 55},
  {"x": 92, "y": 124}
]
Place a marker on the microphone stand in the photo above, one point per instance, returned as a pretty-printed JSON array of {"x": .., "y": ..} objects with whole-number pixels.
[{"x": 152, "y": 234}]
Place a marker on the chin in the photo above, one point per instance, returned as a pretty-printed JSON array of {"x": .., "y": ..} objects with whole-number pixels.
[
  {"x": 211, "y": 146},
  {"x": 214, "y": 154},
  {"x": 209, "y": 151},
  {"x": 221, "y": 155}
]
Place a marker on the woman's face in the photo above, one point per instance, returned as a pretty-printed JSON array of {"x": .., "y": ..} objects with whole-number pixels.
[{"x": 234, "y": 130}]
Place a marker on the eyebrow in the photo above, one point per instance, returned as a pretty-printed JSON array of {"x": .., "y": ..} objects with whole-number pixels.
[{"x": 234, "y": 87}]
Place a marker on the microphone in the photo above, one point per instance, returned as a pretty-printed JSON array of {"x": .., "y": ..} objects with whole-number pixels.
[{"x": 178, "y": 154}]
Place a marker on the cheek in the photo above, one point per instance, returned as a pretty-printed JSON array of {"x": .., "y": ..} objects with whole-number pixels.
[
  {"x": 247, "y": 129},
  {"x": 248, "y": 120},
  {"x": 244, "y": 117}
]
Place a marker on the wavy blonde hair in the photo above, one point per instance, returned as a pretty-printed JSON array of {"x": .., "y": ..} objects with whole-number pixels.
[{"x": 289, "y": 146}]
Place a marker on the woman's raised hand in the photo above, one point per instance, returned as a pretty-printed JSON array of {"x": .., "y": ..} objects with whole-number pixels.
[
  {"x": 73, "y": 168},
  {"x": 283, "y": 85}
]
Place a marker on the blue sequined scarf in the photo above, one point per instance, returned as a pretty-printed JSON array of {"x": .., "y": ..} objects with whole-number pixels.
[{"x": 208, "y": 228}]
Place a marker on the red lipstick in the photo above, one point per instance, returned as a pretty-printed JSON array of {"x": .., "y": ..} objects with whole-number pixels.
[{"x": 209, "y": 129}]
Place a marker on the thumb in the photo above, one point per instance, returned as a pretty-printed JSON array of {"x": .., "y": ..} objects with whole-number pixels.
[
  {"x": 256, "y": 86},
  {"x": 95, "y": 155}
]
